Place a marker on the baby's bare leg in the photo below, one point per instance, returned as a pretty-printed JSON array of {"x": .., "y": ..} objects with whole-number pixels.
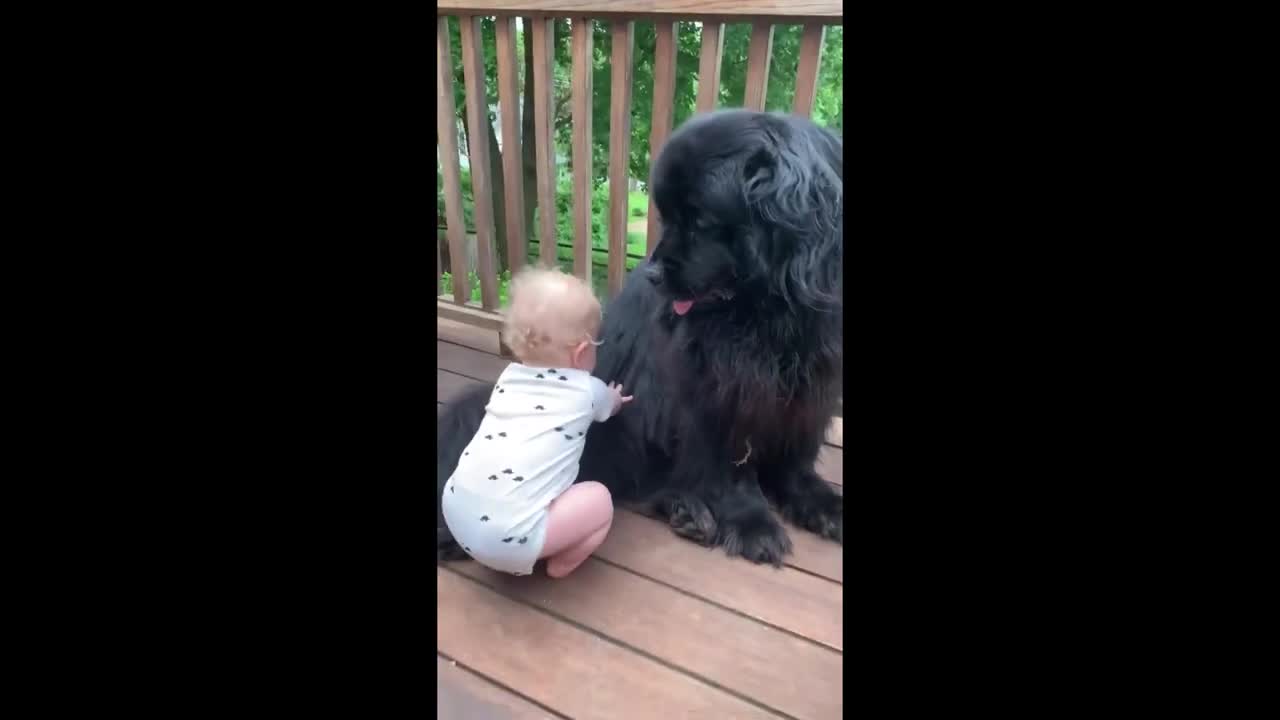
[{"x": 577, "y": 523}]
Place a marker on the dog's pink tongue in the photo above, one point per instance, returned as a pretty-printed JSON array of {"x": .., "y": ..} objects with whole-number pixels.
[{"x": 681, "y": 306}]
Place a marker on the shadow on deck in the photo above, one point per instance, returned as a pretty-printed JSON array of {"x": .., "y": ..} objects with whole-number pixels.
[{"x": 652, "y": 626}]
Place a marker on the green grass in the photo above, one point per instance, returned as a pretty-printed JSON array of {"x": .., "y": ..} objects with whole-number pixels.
[{"x": 637, "y": 205}]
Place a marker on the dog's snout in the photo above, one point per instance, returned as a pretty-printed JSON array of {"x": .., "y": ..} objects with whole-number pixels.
[{"x": 653, "y": 271}]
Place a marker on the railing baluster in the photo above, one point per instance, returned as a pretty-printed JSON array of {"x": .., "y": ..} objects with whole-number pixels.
[
  {"x": 619, "y": 151},
  {"x": 447, "y": 137},
  {"x": 758, "y": 55},
  {"x": 512, "y": 175},
  {"x": 664, "y": 91},
  {"x": 544, "y": 129},
  {"x": 807, "y": 68},
  {"x": 539, "y": 37},
  {"x": 478, "y": 137},
  {"x": 709, "y": 66},
  {"x": 582, "y": 171}
]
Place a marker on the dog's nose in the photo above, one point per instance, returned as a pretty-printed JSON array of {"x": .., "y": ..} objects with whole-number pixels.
[{"x": 653, "y": 271}]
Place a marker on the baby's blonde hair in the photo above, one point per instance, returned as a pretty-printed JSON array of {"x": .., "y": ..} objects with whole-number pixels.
[{"x": 550, "y": 312}]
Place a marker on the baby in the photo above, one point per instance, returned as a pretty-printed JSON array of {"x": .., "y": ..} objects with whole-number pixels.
[{"x": 512, "y": 498}]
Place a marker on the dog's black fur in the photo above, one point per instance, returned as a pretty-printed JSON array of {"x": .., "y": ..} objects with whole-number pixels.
[{"x": 732, "y": 398}]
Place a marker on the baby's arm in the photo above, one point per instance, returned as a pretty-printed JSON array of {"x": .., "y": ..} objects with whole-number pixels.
[
  {"x": 607, "y": 399},
  {"x": 601, "y": 400}
]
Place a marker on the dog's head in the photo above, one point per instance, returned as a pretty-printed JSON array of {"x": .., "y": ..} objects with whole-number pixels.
[{"x": 752, "y": 207}]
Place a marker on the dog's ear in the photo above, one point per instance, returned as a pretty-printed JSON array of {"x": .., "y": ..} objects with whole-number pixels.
[
  {"x": 793, "y": 182},
  {"x": 760, "y": 185},
  {"x": 789, "y": 182},
  {"x": 758, "y": 172}
]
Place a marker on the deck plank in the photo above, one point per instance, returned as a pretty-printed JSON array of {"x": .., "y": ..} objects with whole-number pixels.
[
  {"x": 467, "y": 335},
  {"x": 462, "y": 695},
  {"x": 786, "y": 598},
  {"x": 451, "y": 385},
  {"x": 469, "y": 362},
  {"x": 835, "y": 433},
  {"x": 817, "y": 555},
  {"x": 574, "y": 671},
  {"x": 831, "y": 464},
  {"x": 732, "y": 651}
]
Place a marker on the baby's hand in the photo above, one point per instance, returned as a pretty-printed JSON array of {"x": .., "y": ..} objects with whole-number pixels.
[{"x": 618, "y": 398}]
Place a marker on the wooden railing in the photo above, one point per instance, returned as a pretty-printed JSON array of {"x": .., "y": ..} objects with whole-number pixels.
[{"x": 622, "y": 14}]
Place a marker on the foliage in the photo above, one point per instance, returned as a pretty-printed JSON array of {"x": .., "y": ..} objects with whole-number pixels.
[
  {"x": 564, "y": 217},
  {"x": 828, "y": 108},
  {"x": 504, "y": 286},
  {"x": 638, "y": 201},
  {"x": 468, "y": 204}
]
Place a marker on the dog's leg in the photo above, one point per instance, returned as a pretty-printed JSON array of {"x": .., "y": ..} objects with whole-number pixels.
[
  {"x": 806, "y": 500},
  {"x": 688, "y": 515},
  {"x": 746, "y": 526},
  {"x": 714, "y": 500}
]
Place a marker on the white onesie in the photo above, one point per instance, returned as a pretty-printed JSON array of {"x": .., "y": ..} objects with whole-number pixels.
[{"x": 524, "y": 456}]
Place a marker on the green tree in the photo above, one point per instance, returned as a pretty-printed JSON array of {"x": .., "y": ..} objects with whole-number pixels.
[{"x": 828, "y": 106}]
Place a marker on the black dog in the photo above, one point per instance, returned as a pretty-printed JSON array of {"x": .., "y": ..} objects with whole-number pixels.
[{"x": 730, "y": 338}]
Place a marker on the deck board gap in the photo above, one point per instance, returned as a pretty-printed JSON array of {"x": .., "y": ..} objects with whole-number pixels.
[
  {"x": 628, "y": 647},
  {"x": 722, "y": 606},
  {"x": 501, "y": 685}
]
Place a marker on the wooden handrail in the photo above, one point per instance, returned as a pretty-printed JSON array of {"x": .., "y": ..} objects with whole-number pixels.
[{"x": 796, "y": 11}]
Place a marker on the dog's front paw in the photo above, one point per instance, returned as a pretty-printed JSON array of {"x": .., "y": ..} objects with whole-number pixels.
[
  {"x": 689, "y": 518},
  {"x": 758, "y": 537},
  {"x": 822, "y": 514}
]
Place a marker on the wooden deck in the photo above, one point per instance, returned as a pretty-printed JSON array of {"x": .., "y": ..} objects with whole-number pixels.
[{"x": 652, "y": 626}]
